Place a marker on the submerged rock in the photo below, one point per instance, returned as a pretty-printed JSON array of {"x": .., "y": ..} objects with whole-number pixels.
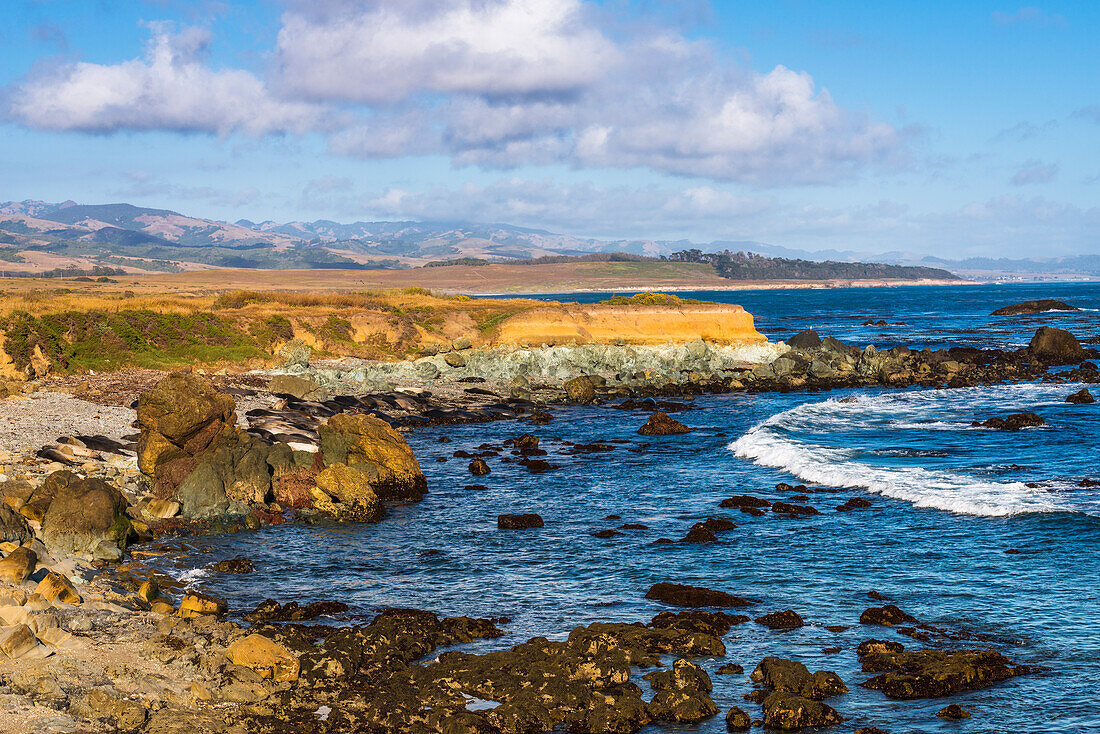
[
  {"x": 519, "y": 522},
  {"x": 1081, "y": 397},
  {"x": 682, "y": 595},
  {"x": 785, "y": 620},
  {"x": 934, "y": 673},
  {"x": 790, "y": 676},
  {"x": 888, "y": 615},
  {"x": 1013, "y": 422},
  {"x": 954, "y": 712},
  {"x": 1032, "y": 307}
]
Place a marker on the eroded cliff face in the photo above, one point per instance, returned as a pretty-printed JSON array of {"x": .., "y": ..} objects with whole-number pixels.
[{"x": 635, "y": 325}]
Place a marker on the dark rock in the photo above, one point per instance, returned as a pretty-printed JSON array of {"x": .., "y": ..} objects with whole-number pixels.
[
  {"x": 681, "y": 694},
  {"x": 789, "y": 711},
  {"x": 1055, "y": 346},
  {"x": 785, "y": 620},
  {"x": 789, "y": 509},
  {"x": 744, "y": 500},
  {"x": 954, "y": 712},
  {"x": 238, "y": 565},
  {"x": 272, "y": 611},
  {"x": 737, "y": 720},
  {"x": 730, "y": 669},
  {"x": 519, "y": 522},
  {"x": 789, "y": 676},
  {"x": 660, "y": 424},
  {"x": 805, "y": 340},
  {"x": 855, "y": 503},
  {"x": 877, "y": 596},
  {"x": 888, "y": 615},
  {"x": 613, "y": 517},
  {"x": 1081, "y": 397},
  {"x": 682, "y": 595},
  {"x": 873, "y": 647},
  {"x": 754, "y": 511},
  {"x": 837, "y": 628},
  {"x": 538, "y": 466},
  {"x": 934, "y": 673},
  {"x": 13, "y": 526},
  {"x": 479, "y": 468},
  {"x": 85, "y": 516},
  {"x": 831, "y": 650},
  {"x": 580, "y": 389},
  {"x": 1012, "y": 422},
  {"x": 633, "y": 526},
  {"x": 711, "y": 623},
  {"x": 604, "y": 534},
  {"x": 1032, "y": 307},
  {"x": 476, "y": 488}
]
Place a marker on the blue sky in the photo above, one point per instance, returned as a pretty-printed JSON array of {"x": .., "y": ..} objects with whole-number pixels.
[{"x": 940, "y": 128}]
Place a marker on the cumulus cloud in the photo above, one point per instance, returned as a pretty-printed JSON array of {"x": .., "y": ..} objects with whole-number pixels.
[
  {"x": 170, "y": 88},
  {"x": 1034, "y": 172},
  {"x": 505, "y": 83}
]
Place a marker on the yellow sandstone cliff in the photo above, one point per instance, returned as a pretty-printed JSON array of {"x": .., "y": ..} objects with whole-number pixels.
[{"x": 633, "y": 324}]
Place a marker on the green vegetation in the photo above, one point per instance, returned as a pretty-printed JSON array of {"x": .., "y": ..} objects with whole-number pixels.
[
  {"x": 76, "y": 341},
  {"x": 648, "y": 299},
  {"x": 487, "y": 320},
  {"x": 457, "y": 261},
  {"x": 750, "y": 266}
]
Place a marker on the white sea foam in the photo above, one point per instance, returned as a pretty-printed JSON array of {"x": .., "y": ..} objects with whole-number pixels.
[
  {"x": 192, "y": 575},
  {"x": 771, "y": 443}
]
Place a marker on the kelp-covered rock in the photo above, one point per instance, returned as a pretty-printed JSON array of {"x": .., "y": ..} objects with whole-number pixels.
[
  {"x": 790, "y": 676},
  {"x": 790, "y": 711},
  {"x": 933, "y": 673},
  {"x": 371, "y": 446},
  {"x": 85, "y": 516}
]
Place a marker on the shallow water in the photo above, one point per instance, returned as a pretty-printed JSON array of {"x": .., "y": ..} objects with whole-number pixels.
[{"x": 948, "y": 501}]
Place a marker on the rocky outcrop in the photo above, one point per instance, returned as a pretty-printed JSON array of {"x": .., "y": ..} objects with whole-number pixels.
[
  {"x": 660, "y": 424},
  {"x": 934, "y": 673},
  {"x": 1032, "y": 307},
  {"x": 519, "y": 522},
  {"x": 788, "y": 711},
  {"x": 13, "y": 526},
  {"x": 630, "y": 324},
  {"x": 1055, "y": 346},
  {"x": 192, "y": 451},
  {"x": 683, "y": 595},
  {"x": 347, "y": 495},
  {"x": 1013, "y": 422},
  {"x": 790, "y": 676},
  {"x": 265, "y": 656},
  {"x": 370, "y": 446},
  {"x": 1081, "y": 397},
  {"x": 85, "y": 516}
]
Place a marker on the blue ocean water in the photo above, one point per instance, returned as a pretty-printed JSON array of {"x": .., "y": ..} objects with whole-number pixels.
[{"x": 948, "y": 501}]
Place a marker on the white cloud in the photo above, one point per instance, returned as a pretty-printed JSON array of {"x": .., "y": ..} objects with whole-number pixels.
[
  {"x": 506, "y": 83},
  {"x": 169, "y": 88},
  {"x": 1034, "y": 172},
  {"x": 383, "y": 52},
  {"x": 1029, "y": 15}
]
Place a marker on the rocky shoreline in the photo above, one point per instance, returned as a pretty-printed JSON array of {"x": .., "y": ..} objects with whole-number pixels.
[{"x": 94, "y": 640}]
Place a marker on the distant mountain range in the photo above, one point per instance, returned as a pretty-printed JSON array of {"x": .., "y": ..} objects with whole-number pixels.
[{"x": 38, "y": 237}]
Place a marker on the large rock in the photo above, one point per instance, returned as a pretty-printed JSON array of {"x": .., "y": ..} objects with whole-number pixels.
[
  {"x": 1055, "y": 346},
  {"x": 790, "y": 711},
  {"x": 346, "y": 495},
  {"x": 84, "y": 515},
  {"x": 192, "y": 451},
  {"x": 372, "y": 447},
  {"x": 580, "y": 389},
  {"x": 1030, "y": 307},
  {"x": 790, "y": 676},
  {"x": 805, "y": 340},
  {"x": 935, "y": 673},
  {"x": 660, "y": 424},
  {"x": 682, "y": 595},
  {"x": 265, "y": 656},
  {"x": 297, "y": 386},
  {"x": 295, "y": 353},
  {"x": 18, "y": 565},
  {"x": 13, "y": 526}
]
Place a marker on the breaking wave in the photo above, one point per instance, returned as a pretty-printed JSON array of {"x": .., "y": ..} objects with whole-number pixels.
[{"x": 850, "y": 442}]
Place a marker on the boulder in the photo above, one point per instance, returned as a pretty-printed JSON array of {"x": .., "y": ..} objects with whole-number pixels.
[
  {"x": 18, "y": 565},
  {"x": 682, "y": 595},
  {"x": 660, "y": 424},
  {"x": 454, "y": 359},
  {"x": 265, "y": 656},
  {"x": 84, "y": 514},
  {"x": 54, "y": 586},
  {"x": 888, "y": 615},
  {"x": 17, "y": 641},
  {"x": 1013, "y": 422},
  {"x": 790, "y": 676},
  {"x": 238, "y": 566},
  {"x": 580, "y": 389},
  {"x": 479, "y": 467},
  {"x": 953, "y": 712},
  {"x": 371, "y": 446},
  {"x": 1081, "y": 397},
  {"x": 295, "y": 353},
  {"x": 192, "y": 451},
  {"x": 1055, "y": 346},
  {"x": 681, "y": 694},
  {"x": 1031, "y": 307},
  {"x": 805, "y": 340},
  {"x": 935, "y": 673},
  {"x": 785, "y": 620},
  {"x": 13, "y": 526},
  {"x": 791, "y": 711},
  {"x": 297, "y": 386},
  {"x": 159, "y": 509},
  {"x": 346, "y": 494},
  {"x": 196, "y": 604},
  {"x": 738, "y": 720},
  {"x": 121, "y": 713},
  {"x": 519, "y": 522}
]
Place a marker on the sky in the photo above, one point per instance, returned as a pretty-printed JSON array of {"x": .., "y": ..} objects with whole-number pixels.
[{"x": 937, "y": 128}]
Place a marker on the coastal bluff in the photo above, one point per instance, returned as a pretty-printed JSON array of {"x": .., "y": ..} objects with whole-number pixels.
[{"x": 629, "y": 323}]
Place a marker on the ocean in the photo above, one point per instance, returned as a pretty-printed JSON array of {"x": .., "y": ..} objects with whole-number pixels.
[{"x": 947, "y": 502}]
